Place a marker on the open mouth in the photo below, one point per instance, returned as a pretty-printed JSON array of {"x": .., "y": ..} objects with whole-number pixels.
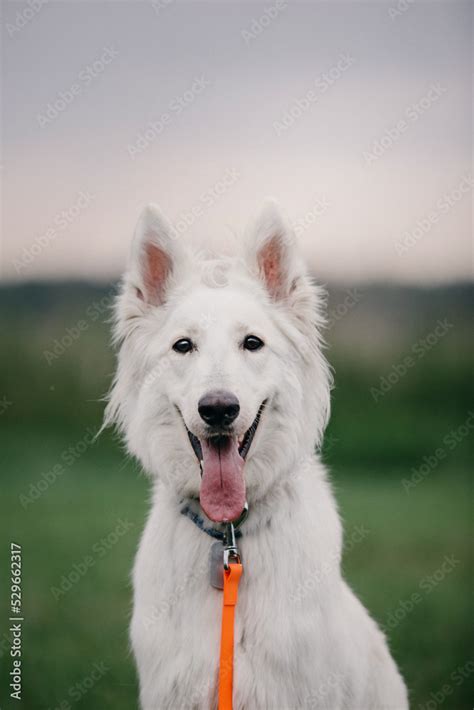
[
  {"x": 222, "y": 458},
  {"x": 244, "y": 442}
]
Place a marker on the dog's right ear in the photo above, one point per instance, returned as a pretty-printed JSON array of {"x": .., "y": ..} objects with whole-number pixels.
[
  {"x": 272, "y": 252},
  {"x": 155, "y": 256}
]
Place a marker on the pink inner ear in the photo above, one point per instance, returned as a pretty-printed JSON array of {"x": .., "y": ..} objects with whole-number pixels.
[
  {"x": 271, "y": 263},
  {"x": 157, "y": 270}
]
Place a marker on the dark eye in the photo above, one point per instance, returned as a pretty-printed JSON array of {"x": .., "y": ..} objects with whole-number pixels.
[
  {"x": 183, "y": 345},
  {"x": 251, "y": 342}
]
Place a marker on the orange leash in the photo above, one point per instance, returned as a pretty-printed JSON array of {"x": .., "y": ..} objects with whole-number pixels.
[{"x": 232, "y": 577}]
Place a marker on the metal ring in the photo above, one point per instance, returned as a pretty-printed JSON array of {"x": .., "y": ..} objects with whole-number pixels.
[
  {"x": 232, "y": 553},
  {"x": 242, "y": 517}
]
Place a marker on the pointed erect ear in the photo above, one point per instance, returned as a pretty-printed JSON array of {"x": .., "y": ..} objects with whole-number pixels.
[
  {"x": 273, "y": 252},
  {"x": 156, "y": 254}
]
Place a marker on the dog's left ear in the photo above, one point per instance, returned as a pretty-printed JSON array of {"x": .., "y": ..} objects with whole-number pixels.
[
  {"x": 156, "y": 256},
  {"x": 273, "y": 252}
]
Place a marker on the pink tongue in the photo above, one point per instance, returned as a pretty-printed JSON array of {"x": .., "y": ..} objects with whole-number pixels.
[{"x": 222, "y": 493}]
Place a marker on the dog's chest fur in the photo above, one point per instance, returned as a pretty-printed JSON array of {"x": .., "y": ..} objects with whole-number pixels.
[{"x": 302, "y": 639}]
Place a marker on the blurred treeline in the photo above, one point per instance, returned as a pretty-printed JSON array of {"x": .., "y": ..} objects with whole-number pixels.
[
  {"x": 57, "y": 363},
  {"x": 398, "y": 447}
]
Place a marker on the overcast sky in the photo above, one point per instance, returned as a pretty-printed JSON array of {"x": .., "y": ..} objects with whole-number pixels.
[{"x": 356, "y": 116}]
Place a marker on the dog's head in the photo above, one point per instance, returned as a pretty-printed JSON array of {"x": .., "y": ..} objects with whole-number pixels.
[{"x": 220, "y": 370}]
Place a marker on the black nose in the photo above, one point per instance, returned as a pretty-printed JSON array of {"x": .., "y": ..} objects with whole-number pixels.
[{"x": 219, "y": 408}]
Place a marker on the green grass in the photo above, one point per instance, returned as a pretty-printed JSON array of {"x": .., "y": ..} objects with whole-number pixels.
[
  {"x": 405, "y": 537},
  {"x": 66, "y": 632},
  {"x": 371, "y": 448},
  {"x": 400, "y": 572}
]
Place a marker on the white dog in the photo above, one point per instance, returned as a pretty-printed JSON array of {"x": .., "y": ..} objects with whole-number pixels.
[{"x": 222, "y": 392}]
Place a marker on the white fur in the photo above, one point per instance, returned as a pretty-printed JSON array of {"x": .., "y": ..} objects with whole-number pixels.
[{"x": 303, "y": 640}]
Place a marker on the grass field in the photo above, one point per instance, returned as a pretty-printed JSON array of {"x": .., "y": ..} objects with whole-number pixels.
[
  {"x": 77, "y": 507},
  {"x": 393, "y": 546}
]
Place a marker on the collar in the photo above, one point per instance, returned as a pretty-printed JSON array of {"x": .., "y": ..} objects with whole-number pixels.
[{"x": 192, "y": 510}]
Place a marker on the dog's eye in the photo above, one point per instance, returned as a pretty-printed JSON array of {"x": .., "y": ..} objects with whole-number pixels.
[
  {"x": 183, "y": 345},
  {"x": 251, "y": 342}
]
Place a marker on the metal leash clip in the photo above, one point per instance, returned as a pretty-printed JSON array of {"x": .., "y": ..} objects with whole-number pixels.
[{"x": 231, "y": 551}]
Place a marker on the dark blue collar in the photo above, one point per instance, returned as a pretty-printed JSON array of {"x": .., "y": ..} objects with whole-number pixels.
[{"x": 199, "y": 521}]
